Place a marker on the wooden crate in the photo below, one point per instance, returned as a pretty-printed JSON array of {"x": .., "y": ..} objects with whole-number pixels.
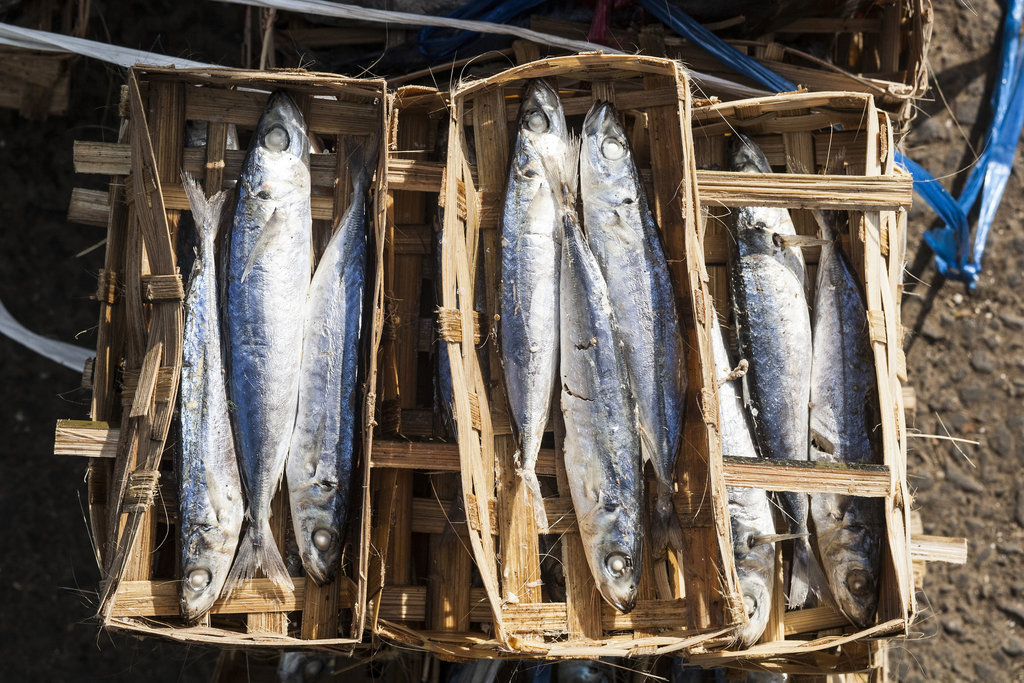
[
  {"x": 135, "y": 378},
  {"x": 807, "y": 131},
  {"x": 882, "y": 53},
  {"x": 682, "y": 602}
]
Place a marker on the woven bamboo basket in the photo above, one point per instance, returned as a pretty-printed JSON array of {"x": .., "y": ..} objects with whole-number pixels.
[
  {"x": 682, "y": 602},
  {"x": 807, "y": 131},
  {"x": 882, "y": 52},
  {"x": 135, "y": 378},
  {"x": 421, "y": 590}
]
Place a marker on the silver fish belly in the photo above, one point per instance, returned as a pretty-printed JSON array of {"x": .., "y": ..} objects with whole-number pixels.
[
  {"x": 749, "y": 510},
  {"x": 320, "y": 459},
  {"x": 774, "y": 329},
  {"x": 625, "y": 239},
  {"x": 602, "y": 447},
  {"x": 267, "y": 281},
  {"x": 530, "y": 260},
  {"x": 843, "y": 421},
  {"x": 210, "y": 506}
]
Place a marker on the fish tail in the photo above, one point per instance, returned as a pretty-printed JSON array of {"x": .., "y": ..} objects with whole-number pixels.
[
  {"x": 800, "y": 574},
  {"x": 206, "y": 213},
  {"x": 665, "y": 528},
  {"x": 529, "y": 479},
  {"x": 258, "y": 551},
  {"x": 362, "y": 160}
]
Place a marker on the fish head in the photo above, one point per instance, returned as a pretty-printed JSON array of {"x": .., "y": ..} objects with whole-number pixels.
[
  {"x": 755, "y": 568},
  {"x": 277, "y": 165},
  {"x": 607, "y": 158},
  {"x": 318, "y": 512},
  {"x": 851, "y": 557},
  {"x": 207, "y": 554},
  {"x": 746, "y": 157},
  {"x": 614, "y": 547},
  {"x": 584, "y": 671},
  {"x": 757, "y": 602},
  {"x": 542, "y": 120}
]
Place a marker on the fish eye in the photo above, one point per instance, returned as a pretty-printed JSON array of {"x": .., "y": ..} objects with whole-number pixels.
[
  {"x": 198, "y": 579},
  {"x": 612, "y": 148},
  {"x": 263, "y": 194},
  {"x": 322, "y": 539},
  {"x": 750, "y": 603},
  {"x": 537, "y": 121},
  {"x": 617, "y": 564},
  {"x": 276, "y": 139},
  {"x": 858, "y": 584}
]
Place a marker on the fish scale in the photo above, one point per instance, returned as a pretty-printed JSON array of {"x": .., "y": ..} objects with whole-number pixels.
[
  {"x": 320, "y": 458},
  {"x": 774, "y": 332},
  {"x": 210, "y": 489},
  {"x": 267, "y": 281},
  {"x": 602, "y": 446},
  {"x": 626, "y": 242},
  {"x": 530, "y": 259},
  {"x": 844, "y": 412}
]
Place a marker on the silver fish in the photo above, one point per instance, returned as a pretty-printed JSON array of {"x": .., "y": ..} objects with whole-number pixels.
[
  {"x": 210, "y": 507},
  {"x": 602, "y": 446},
  {"x": 774, "y": 329},
  {"x": 625, "y": 239},
  {"x": 749, "y": 510},
  {"x": 530, "y": 257},
  {"x": 320, "y": 459},
  {"x": 844, "y": 416},
  {"x": 267, "y": 281}
]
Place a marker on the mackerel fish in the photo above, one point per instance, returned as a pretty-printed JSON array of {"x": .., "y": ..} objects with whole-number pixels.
[
  {"x": 530, "y": 258},
  {"x": 320, "y": 459},
  {"x": 844, "y": 415},
  {"x": 210, "y": 507},
  {"x": 602, "y": 446},
  {"x": 267, "y": 281},
  {"x": 625, "y": 239},
  {"x": 774, "y": 328},
  {"x": 749, "y": 510}
]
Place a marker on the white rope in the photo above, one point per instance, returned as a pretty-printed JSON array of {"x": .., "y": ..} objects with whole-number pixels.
[
  {"x": 68, "y": 355},
  {"x": 31, "y": 39},
  {"x": 324, "y": 8}
]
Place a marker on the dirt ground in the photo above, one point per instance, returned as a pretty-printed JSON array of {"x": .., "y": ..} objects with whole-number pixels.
[{"x": 964, "y": 357}]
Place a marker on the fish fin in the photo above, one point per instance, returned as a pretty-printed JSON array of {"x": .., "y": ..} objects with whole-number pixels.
[
  {"x": 257, "y": 551},
  {"x": 532, "y": 484},
  {"x": 362, "y": 160},
  {"x": 206, "y": 213},
  {"x": 275, "y": 225},
  {"x": 799, "y": 574}
]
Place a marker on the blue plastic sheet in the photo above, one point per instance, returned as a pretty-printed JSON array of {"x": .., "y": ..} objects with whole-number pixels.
[
  {"x": 681, "y": 23},
  {"x": 955, "y": 254},
  {"x": 438, "y": 47}
]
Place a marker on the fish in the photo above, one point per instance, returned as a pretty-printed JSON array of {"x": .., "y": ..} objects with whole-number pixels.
[
  {"x": 626, "y": 241},
  {"x": 322, "y": 450},
  {"x": 750, "y": 512},
  {"x": 210, "y": 505},
  {"x": 584, "y": 671},
  {"x": 602, "y": 444},
  {"x": 530, "y": 260},
  {"x": 843, "y": 419},
  {"x": 774, "y": 332},
  {"x": 268, "y": 278}
]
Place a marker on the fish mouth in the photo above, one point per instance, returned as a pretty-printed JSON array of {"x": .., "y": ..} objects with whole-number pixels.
[
  {"x": 540, "y": 92},
  {"x": 282, "y": 104},
  {"x": 746, "y": 156},
  {"x": 600, "y": 118}
]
